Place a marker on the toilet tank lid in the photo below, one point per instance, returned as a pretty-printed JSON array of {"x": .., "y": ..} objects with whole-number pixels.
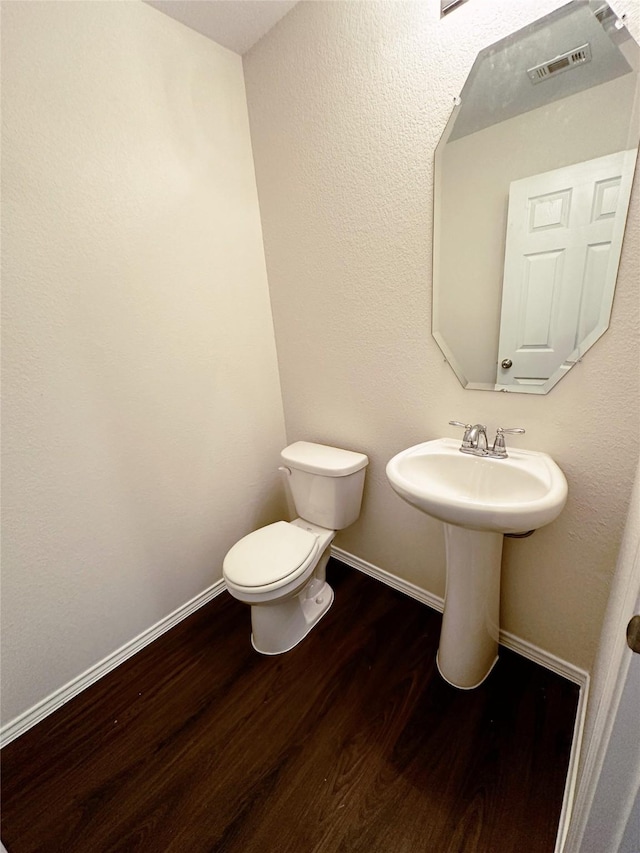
[{"x": 323, "y": 459}]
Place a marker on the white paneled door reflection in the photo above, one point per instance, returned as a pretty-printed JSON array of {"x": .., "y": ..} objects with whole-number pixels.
[{"x": 564, "y": 235}]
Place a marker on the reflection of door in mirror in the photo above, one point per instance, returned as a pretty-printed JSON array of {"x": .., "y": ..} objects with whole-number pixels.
[{"x": 564, "y": 235}]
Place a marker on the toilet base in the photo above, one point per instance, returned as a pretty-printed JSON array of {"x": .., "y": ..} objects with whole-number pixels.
[{"x": 277, "y": 628}]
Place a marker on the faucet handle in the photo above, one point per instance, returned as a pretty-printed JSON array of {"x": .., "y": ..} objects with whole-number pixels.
[
  {"x": 466, "y": 428},
  {"x": 499, "y": 447}
]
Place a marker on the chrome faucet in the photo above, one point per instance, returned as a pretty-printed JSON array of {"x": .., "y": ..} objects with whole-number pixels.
[{"x": 475, "y": 440}]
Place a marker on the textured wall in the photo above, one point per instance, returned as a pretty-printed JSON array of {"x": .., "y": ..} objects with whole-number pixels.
[
  {"x": 347, "y": 102},
  {"x": 141, "y": 403}
]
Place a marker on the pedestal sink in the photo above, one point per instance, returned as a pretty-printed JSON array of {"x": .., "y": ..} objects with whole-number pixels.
[{"x": 479, "y": 499}]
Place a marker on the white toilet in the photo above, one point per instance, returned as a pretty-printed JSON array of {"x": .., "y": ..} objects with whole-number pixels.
[{"x": 280, "y": 569}]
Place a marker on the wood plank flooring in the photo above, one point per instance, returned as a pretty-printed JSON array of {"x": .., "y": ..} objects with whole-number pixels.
[{"x": 350, "y": 743}]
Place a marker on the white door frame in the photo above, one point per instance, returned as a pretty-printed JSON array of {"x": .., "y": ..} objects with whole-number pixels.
[{"x": 607, "y": 702}]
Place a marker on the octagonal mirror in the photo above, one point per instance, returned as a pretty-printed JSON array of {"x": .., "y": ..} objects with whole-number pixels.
[{"x": 533, "y": 176}]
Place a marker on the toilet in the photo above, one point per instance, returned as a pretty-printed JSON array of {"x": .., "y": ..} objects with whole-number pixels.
[{"x": 280, "y": 569}]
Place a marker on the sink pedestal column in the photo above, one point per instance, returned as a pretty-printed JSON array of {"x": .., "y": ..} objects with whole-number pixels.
[{"x": 471, "y": 620}]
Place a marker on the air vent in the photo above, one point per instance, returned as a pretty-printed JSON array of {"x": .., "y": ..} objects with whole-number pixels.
[{"x": 578, "y": 56}]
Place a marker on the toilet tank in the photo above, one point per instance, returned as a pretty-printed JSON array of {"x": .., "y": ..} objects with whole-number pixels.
[{"x": 326, "y": 483}]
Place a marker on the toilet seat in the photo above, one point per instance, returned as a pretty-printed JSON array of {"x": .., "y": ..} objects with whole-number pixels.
[{"x": 270, "y": 557}]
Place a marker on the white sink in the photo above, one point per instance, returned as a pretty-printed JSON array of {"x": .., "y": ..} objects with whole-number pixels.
[
  {"x": 478, "y": 498},
  {"x": 514, "y": 495}
]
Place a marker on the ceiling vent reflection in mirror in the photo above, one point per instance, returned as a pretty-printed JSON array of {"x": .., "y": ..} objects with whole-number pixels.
[
  {"x": 531, "y": 191},
  {"x": 570, "y": 59}
]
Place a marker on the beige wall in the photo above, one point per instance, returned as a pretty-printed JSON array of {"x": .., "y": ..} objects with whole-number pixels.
[
  {"x": 142, "y": 409},
  {"x": 347, "y": 102}
]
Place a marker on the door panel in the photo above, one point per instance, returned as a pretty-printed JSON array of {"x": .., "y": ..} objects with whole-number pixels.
[{"x": 564, "y": 234}]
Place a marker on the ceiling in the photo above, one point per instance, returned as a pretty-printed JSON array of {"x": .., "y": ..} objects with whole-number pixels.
[{"x": 235, "y": 24}]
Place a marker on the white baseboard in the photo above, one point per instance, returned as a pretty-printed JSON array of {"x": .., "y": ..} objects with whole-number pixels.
[
  {"x": 387, "y": 578},
  {"x": 510, "y": 641},
  {"x": 522, "y": 647},
  {"x": 55, "y": 700},
  {"x": 571, "y": 784}
]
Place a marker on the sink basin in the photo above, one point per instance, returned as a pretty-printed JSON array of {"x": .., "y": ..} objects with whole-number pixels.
[
  {"x": 478, "y": 499},
  {"x": 514, "y": 495}
]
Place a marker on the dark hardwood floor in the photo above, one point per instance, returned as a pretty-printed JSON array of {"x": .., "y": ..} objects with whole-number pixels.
[{"x": 350, "y": 742}]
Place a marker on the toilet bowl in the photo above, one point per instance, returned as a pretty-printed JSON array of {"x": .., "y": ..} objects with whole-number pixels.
[{"x": 280, "y": 569}]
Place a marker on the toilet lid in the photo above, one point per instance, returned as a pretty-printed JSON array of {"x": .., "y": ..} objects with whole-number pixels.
[{"x": 273, "y": 553}]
